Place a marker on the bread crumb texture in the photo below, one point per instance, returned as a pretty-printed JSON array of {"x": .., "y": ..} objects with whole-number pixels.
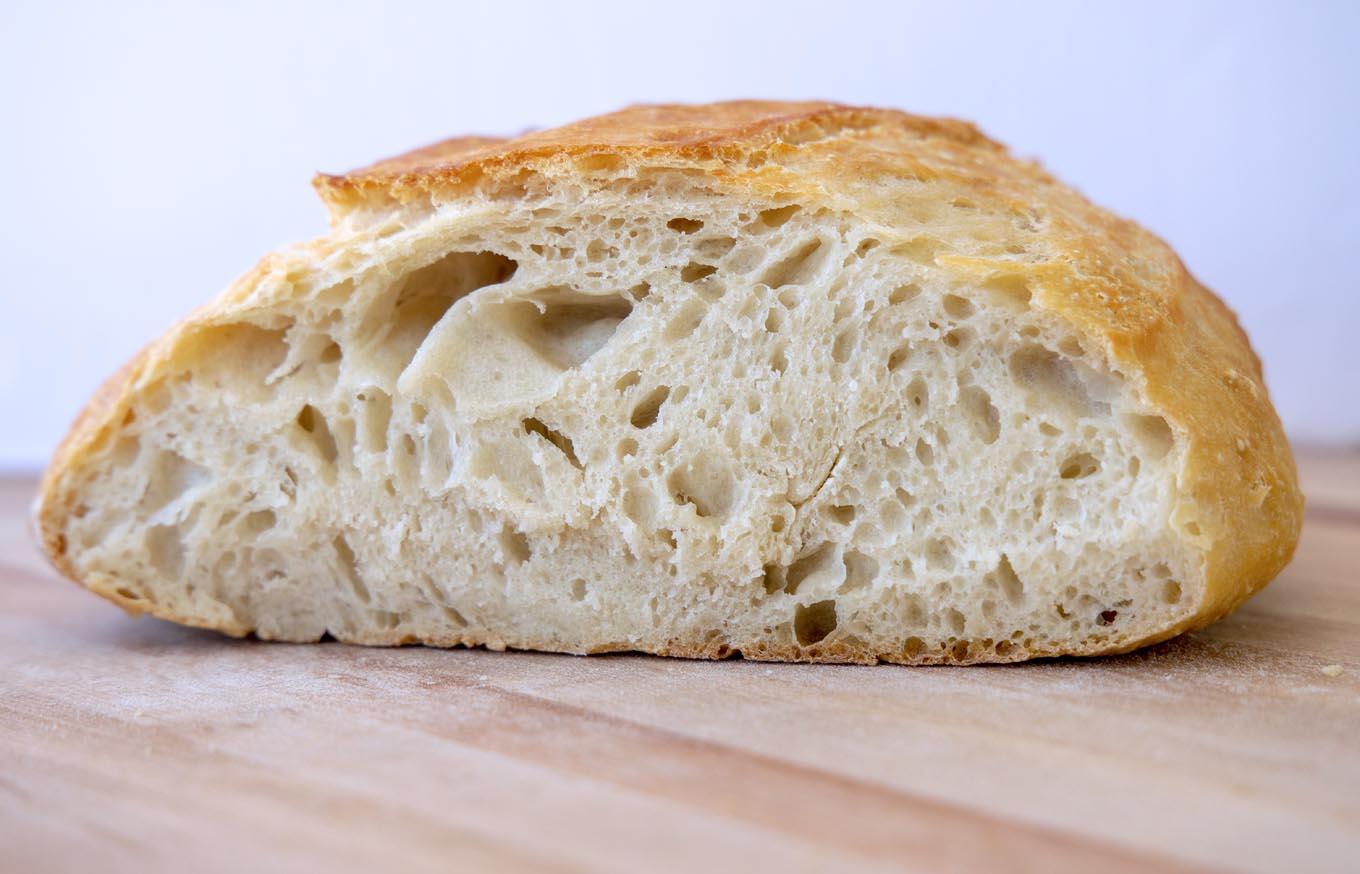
[
  {"x": 792, "y": 381},
  {"x": 1332, "y": 670}
]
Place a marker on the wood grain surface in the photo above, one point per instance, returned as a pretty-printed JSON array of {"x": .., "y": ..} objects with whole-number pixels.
[{"x": 132, "y": 744}]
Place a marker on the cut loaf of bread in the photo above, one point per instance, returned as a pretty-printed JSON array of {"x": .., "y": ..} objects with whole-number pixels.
[{"x": 795, "y": 381}]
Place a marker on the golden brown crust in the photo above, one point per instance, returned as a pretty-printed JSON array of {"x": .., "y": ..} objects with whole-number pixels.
[
  {"x": 1117, "y": 284},
  {"x": 668, "y": 133}
]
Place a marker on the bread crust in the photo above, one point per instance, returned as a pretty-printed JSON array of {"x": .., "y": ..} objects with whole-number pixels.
[{"x": 1120, "y": 287}]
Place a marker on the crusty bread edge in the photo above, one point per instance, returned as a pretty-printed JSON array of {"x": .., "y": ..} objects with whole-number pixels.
[{"x": 1194, "y": 361}]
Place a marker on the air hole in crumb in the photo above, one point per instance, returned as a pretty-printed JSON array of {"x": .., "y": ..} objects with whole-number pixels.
[
  {"x": 812, "y": 623},
  {"x": 706, "y": 483},
  {"x": 627, "y": 446},
  {"x": 639, "y": 505},
  {"x": 578, "y": 590},
  {"x": 1057, "y": 381},
  {"x": 779, "y": 361},
  {"x": 918, "y": 395},
  {"x": 1078, "y": 466},
  {"x": 171, "y": 476},
  {"x": 1107, "y": 617},
  {"x": 1006, "y": 579},
  {"x": 599, "y": 251},
  {"x": 940, "y": 553},
  {"x": 349, "y": 568},
  {"x": 899, "y": 357},
  {"x": 126, "y": 450},
  {"x": 904, "y": 293},
  {"x": 714, "y": 247},
  {"x": 860, "y": 570},
  {"x": 1153, "y": 432},
  {"x": 844, "y": 514},
  {"x": 165, "y": 548},
  {"x": 376, "y": 417},
  {"x": 1071, "y": 348},
  {"x": 646, "y": 412},
  {"x": 250, "y": 353},
  {"x": 684, "y": 225},
  {"x": 816, "y": 563},
  {"x": 957, "y": 307},
  {"x": 958, "y": 338},
  {"x": 426, "y": 294},
  {"x": 458, "y": 619},
  {"x": 566, "y": 327},
  {"x": 774, "y": 320},
  {"x": 782, "y": 428},
  {"x": 255, "y": 523},
  {"x": 981, "y": 414},
  {"x": 773, "y": 578},
  {"x": 555, "y": 437},
  {"x": 843, "y": 347},
  {"x": 795, "y": 269},
  {"x": 694, "y": 271},
  {"x": 1171, "y": 592},
  {"x": 924, "y": 453},
  {"x": 313, "y": 423},
  {"x": 686, "y": 320},
  {"x": 628, "y": 380},
  {"x": 514, "y": 546},
  {"x": 775, "y": 217}
]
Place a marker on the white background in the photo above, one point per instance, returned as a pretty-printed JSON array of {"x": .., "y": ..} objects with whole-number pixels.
[{"x": 152, "y": 152}]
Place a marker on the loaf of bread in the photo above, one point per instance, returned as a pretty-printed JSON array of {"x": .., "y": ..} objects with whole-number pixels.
[{"x": 796, "y": 381}]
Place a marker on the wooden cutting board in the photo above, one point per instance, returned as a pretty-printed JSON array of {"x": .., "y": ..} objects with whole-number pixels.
[{"x": 133, "y": 745}]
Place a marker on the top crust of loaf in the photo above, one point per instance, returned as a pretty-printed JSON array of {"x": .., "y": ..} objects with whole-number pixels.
[
  {"x": 710, "y": 136},
  {"x": 1116, "y": 284}
]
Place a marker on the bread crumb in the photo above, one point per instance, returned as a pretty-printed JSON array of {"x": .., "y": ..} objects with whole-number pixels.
[{"x": 1332, "y": 670}]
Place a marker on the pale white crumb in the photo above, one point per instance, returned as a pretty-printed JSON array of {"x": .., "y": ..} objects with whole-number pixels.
[{"x": 675, "y": 422}]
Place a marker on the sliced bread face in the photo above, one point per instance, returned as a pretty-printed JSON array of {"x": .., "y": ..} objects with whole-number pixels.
[{"x": 647, "y": 403}]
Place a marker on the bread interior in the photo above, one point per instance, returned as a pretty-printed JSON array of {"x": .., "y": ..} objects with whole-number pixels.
[{"x": 654, "y": 418}]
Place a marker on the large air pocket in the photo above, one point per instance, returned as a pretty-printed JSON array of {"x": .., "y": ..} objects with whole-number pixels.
[{"x": 511, "y": 352}]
